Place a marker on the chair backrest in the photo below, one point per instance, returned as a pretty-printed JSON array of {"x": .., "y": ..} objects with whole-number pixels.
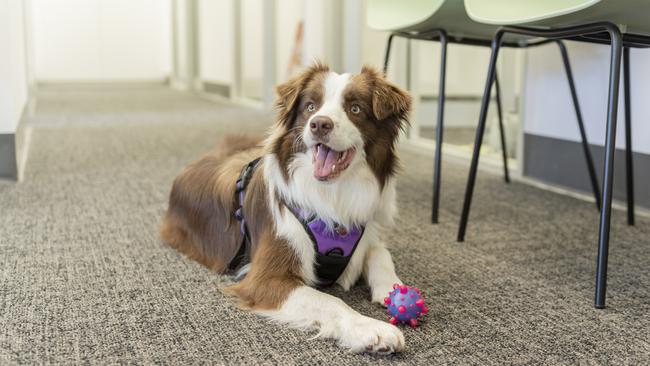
[
  {"x": 511, "y": 12},
  {"x": 394, "y": 15}
]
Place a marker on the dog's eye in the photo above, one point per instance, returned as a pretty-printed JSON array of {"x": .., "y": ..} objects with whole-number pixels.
[
  {"x": 355, "y": 109},
  {"x": 311, "y": 107}
]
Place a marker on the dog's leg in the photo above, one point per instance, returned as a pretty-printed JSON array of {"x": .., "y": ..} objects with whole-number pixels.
[
  {"x": 379, "y": 272},
  {"x": 308, "y": 308}
]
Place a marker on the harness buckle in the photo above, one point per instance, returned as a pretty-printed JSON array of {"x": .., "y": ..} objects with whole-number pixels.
[
  {"x": 244, "y": 176},
  {"x": 239, "y": 186},
  {"x": 238, "y": 214}
]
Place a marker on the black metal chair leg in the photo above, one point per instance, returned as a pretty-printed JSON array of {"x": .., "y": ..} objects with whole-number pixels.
[
  {"x": 389, "y": 43},
  {"x": 442, "y": 36},
  {"x": 583, "y": 135},
  {"x": 437, "y": 164},
  {"x": 629, "y": 172},
  {"x": 608, "y": 170},
  {"x": 504, "y": 151},
  {"x": 610, "y": 140},
  {"x": 480, "y": 129}
]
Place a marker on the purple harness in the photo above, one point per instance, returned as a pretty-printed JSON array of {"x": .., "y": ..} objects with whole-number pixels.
[{"x": 334, "y": 248}]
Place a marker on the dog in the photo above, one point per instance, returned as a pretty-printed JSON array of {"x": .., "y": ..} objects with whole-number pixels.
[{"x": 325, "y": 172}]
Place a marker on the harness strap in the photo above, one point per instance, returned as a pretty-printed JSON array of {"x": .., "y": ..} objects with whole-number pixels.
[
  {"x": 333, "y": 250},
  {"x": 240, "y": 189},
  {"x": 331, "y": 260}
]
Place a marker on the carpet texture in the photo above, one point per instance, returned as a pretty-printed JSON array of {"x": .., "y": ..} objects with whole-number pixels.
[{"x": 85, "y": 279}]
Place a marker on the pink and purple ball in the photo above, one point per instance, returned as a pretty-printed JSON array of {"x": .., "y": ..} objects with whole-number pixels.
[{"x": 405, "y": 305}]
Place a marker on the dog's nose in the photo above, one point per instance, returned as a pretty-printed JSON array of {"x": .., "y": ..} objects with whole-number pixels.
[{"x": 320, "y": 126}]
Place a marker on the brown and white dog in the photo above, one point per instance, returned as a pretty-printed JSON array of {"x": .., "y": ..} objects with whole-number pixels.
[{"x": 356, "y": 117}]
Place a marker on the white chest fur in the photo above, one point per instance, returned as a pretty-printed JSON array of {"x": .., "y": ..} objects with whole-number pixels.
[{"x": 355, "y": 198}]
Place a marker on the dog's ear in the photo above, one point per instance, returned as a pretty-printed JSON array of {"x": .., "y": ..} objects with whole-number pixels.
[
  {"x": 288, "y": 93},
  {"x": 388, "y": 100}
]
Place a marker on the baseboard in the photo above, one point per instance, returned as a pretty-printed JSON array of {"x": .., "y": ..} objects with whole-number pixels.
[
  {"x": 560, "y": 162},
  {"x": 218, "y": 89},
  {"x": 101, "y": 83},
  {"x": 8, "y": 161},
  {"x": 14, "y": 147},
  {"x": 493, "y": 166}
]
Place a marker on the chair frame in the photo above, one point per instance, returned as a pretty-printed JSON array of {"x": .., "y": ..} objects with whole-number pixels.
[
  {"x": 596, "y": 32},
  {"x": 440, "y": 35}
]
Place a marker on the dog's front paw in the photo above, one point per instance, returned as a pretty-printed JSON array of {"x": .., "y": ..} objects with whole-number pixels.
[
  {"x": 364, "y": 334},
  {"x": 380, "y": 292}
]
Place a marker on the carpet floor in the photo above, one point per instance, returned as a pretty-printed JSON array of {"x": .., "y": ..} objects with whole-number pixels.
[{"x": 84, "y": 277}]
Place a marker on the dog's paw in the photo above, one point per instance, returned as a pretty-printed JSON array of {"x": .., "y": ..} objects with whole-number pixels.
[
  {"x": 364, "y": 334},
  {"x": 380, "y": 292}
]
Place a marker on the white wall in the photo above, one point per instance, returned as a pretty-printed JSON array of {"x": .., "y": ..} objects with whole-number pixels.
[
  {"x": 322, "y": 37},
  {"x": 466, "y": 68},
  {"x": 548, "y": 110},
  {"x": 288, "y": 14},
  {"x": 99, "y": 40},
  {"x": 13, "y": 73},
  {"x": 216, "y": 41},
  {"x": 252, "y": 55},
  {"x": 183, "y": 65},
  {"x": 373, "y": 48}
]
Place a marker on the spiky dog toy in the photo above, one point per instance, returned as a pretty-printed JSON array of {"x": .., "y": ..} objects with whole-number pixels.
[{"x": 405, "y": 305}]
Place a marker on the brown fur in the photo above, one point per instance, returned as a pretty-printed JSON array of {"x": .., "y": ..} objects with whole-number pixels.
[
  {"x": 275, "y": 271},
  {"x": 200, "y": 221},
  {"x": 384, "y": 113},
  {"x": 293, "y": 97}
]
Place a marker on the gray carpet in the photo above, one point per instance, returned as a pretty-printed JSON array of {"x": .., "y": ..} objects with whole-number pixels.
[{"x": 84, "y": 278}]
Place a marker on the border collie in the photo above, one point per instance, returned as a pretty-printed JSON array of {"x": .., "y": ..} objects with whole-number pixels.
[{"x": 304, "y": 208}]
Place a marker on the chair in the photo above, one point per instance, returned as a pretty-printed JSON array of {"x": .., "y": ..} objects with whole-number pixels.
[
  {"x": 446, "y": 21},
  {"x": 580, "y": 20},
  {"x": 429, "y": 20}
]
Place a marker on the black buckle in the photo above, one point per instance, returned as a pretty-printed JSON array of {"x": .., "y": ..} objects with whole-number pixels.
[
  {"x": 239, "y": 185},
  {"x": 247, "y": 171},
  {"x": 238, "y": 214},
  {"x": 335, "y": 252},
  {"x": 245, "y": 175}
]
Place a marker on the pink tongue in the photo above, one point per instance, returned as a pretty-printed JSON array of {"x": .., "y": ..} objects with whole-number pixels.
[{"x": 324, "y": 161}]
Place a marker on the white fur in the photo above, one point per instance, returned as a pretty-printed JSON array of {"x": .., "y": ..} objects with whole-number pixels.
[
  {"x": 345, "y": 134},
  {"x": 309, "y": 309},
  {"x": 286, "y": 224},
  {"x": 379, "y": 271},
  {"x": 355, "y": 197}
]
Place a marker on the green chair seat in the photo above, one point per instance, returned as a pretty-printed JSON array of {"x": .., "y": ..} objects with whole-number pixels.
[
  {"x": 632, "y": 15},
  {"x": 423, "y": 15},
  {"x": 390, "y": 15}
]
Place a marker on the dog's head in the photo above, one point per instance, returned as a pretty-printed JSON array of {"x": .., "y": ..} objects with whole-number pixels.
[{"x": 342, "y": 120}]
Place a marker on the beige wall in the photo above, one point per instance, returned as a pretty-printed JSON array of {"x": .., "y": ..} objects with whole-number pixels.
[
  {"x": 216, "y": 41},
  {"x": 102, "y": 40},
  {"x": 289, "y": 13},
  {"x": 548, "y": 108},
  {"x": 13, "y": 65}
]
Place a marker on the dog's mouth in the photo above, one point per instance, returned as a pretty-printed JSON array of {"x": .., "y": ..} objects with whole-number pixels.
[{"x": 329, "y": 163}]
